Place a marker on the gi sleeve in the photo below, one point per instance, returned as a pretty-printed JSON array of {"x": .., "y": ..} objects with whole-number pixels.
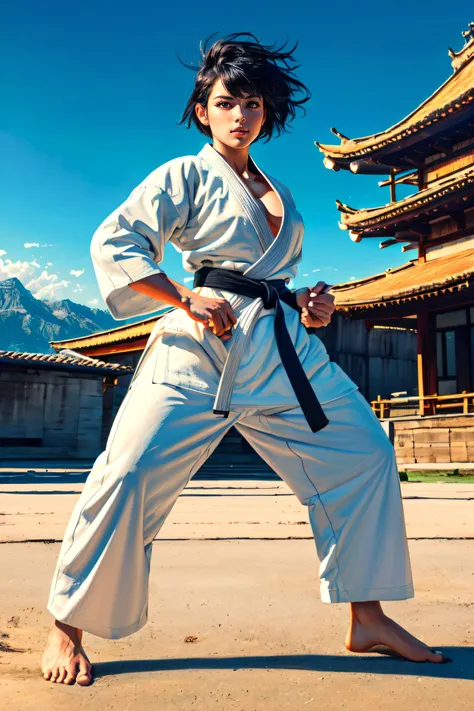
[{"x": 129, "y": 244}]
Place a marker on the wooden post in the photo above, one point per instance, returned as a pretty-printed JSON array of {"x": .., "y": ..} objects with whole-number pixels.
[
  {"x": 393, "y": 190},
  {"x": 421, "y": 389},
  {"x": 422, "y": 339}
]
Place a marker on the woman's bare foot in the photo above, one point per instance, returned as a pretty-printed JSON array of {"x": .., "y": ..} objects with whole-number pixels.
[
  {"x": 64, "y": 659},
  {"x": 371, "y": 630}
]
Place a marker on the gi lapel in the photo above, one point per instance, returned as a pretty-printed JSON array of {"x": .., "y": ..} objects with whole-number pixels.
[
  {"x": 275, "y": 254},
  {"x": 274, "y": 248}
]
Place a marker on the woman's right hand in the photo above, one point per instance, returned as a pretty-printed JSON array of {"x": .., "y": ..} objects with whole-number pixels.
[{"x": 214, "y": 312}]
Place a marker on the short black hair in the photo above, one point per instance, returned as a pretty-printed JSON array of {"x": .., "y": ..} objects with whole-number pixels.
[{"x": 248, "y": 67}]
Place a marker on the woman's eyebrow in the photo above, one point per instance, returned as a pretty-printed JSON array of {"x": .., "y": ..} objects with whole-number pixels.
[{"x": 233, "y": 97}]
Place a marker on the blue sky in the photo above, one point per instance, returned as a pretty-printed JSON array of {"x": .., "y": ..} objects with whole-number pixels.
[{"x": 92, "y": 92}]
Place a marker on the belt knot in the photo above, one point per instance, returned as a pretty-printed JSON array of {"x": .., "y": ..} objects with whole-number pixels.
[{"x": 271, "y": 296}]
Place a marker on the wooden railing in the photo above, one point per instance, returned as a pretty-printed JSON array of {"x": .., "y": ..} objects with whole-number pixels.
[{"x": 426, "y": 404}]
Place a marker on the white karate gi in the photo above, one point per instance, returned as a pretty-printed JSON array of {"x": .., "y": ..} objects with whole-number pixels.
[{"x": 165, "y": 429}]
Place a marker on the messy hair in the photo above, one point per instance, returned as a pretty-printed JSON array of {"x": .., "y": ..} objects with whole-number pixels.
[{"x": 248, "y": 67}]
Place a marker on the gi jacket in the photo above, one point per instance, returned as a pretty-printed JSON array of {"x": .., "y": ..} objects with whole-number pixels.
[{"x": 200, "y": 205}]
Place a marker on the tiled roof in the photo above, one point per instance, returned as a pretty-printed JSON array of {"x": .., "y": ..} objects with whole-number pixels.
[
  {"x": 62, "y": 362},
  {"x": 443, "y": 191},
  {"x": 454, "y": 98},
  {"x": 411, "y": 281}
]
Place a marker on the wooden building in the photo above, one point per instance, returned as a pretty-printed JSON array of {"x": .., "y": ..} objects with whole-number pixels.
[
  {"x": 432, "y": 149},
  {"x": 55, "y": 406}
]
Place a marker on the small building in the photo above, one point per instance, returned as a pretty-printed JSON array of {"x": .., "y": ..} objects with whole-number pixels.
[
  {"x": 432, "y": 149},
  {"x": 56, "y": 406}
]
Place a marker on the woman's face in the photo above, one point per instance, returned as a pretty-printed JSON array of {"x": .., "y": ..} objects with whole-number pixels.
[{"x": 225, "y": 113}]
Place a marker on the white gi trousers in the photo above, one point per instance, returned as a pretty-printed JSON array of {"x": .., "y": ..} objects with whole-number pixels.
[{"x": 345, "y": 474}]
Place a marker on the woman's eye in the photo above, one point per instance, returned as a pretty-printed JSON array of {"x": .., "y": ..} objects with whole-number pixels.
[{"x": 221, "y": 103}]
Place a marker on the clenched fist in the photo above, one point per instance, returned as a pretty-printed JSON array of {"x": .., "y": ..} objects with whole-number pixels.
[{"x": 316, "y": 307}]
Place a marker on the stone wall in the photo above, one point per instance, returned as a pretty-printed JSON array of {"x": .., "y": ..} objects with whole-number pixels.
[{"x": 436, "y": 439}]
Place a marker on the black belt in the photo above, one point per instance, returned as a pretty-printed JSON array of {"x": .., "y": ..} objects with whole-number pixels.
[{"x": 271, "y": 291}]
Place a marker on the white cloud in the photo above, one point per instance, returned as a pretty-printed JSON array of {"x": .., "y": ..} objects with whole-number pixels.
[
  {"x": 2, "y": 252},
  {"x": 10, "y": 269},
  {"x": 48, "y": 292},
  {"x": 305, "y": 274},
  {"x": 42, "y": 284},
  {"x": 186, "y": 279},
  {"x": 352, "y": 278},
  {"x": 28, "y": 245},
  {"x": 77, "y": 272},
  {"x": 49, "y": 264},
  {"x": 93, "y": 302}
]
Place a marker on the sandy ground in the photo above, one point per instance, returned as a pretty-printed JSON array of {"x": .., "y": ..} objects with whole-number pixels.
[{"x": 235, "y": 569}]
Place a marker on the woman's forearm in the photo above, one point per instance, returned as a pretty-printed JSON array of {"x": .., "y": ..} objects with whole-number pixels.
[{"x": 162, "y": 288}]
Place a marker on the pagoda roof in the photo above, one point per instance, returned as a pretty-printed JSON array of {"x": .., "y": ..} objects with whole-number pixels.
[
  {"x": 409, "y": 282},
  {"x": 55, "y": 361},
  {"x": 438, "y": 197},
  {"x": 449, "y": 108},
  {"x": 467, "y": 52},
  {"x": 113, "y": 336}
]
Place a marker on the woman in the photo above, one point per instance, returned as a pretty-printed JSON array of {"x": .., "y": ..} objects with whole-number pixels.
[{"x": 238, "y": 350}]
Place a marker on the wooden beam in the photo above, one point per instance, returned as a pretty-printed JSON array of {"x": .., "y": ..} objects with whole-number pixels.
[
  {"x": 421, "y": 179},
  {"x": 408, "y": 247},
  {"x": 364, "y": 167},
  {"x": 388, "y": 243},
  {"x": 406, "y": 236},
  {"x": 415, "y": 162},
  {"x": 459, "y": 217},
  {"x": 422, "y": 229},
  {"x": 409, "y": 179}
]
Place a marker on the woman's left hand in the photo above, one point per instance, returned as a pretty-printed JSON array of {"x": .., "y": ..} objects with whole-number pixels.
[{"x": 316, "y": 308}]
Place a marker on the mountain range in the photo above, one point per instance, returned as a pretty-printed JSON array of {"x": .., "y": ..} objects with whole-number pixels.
[{"x": 28, "y": 324}]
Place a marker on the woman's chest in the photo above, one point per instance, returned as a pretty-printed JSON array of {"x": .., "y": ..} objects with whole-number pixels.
[
  {"x": 267, "y": 199},
  {"x": 239, "y": 219}
]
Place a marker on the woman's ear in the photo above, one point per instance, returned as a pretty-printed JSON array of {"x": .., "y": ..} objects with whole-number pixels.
[{"x": 201, "y": 113}]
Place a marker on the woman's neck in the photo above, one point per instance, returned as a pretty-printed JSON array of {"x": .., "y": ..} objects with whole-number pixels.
[{"x": 238, "y": 159}]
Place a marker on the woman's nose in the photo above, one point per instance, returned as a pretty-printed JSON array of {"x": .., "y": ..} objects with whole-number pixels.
[{"x": 239, "y": 113}]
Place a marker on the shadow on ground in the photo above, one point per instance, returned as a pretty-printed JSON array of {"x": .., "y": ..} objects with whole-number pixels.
[{"x": 461, "y": 666}]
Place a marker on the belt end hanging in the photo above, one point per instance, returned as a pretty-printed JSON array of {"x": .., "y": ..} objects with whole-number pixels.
[
  {"x": 318, "y": 423},
  {"x": 222, "y": 413}
]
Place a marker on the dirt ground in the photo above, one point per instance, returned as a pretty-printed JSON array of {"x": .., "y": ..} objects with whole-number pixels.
[{"x": 235, "y": 616}]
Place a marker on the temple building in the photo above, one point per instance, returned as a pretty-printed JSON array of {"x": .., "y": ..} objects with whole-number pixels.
[{"x": 432, "y": 149}]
